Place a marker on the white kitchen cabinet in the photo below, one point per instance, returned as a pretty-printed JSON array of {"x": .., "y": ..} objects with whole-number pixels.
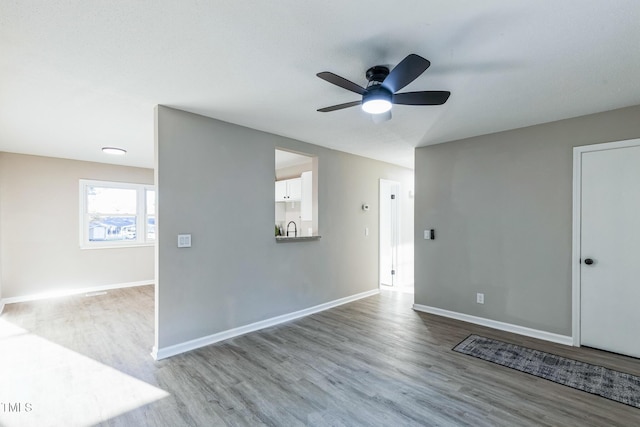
[
  {"x": 281, "y": 191},
  {"x": 306, "y": 200},
  {"x": 294, "y": 189},
  {"x": 289, "y": 190}
]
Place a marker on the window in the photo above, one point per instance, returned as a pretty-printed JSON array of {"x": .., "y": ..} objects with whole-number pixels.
[
  {"x": 150, "y": 197},
  {"x": 116, "y": 214}
]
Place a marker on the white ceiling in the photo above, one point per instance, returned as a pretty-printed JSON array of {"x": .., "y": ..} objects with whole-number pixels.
[
  {"x": 79, "y": 75},
  {"x": 285, "y": 159}
]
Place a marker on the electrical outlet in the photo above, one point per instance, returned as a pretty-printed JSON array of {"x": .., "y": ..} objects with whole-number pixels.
[{"x": 480, "y": 298}]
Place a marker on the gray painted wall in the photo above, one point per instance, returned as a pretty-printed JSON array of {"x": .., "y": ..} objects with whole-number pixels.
[
  {"x": 39, "y": 228},
  {"x": 215, "y": 181},
  {"x": 501, "y": 205}
]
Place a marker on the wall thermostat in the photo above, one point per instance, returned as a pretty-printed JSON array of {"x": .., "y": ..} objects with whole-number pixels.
[{"x": 365, "y": 207}]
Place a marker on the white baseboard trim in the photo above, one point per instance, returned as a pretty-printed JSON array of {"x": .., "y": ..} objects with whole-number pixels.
[
  {"x": 172, "y": 350},
  {"x": 67, "y": 292},
  {"x": 508, "y": 327}
]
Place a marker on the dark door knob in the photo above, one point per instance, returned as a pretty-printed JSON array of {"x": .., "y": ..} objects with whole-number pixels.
[{"x": 588, "y": 261}]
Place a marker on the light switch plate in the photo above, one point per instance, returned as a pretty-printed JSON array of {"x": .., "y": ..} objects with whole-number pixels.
[
  {"x": 184, "y": 240},
  {"x": 429, "y": 234}
]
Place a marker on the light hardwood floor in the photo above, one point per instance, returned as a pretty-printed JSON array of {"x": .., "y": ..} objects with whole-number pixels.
[{"x": 375, "y": 362}]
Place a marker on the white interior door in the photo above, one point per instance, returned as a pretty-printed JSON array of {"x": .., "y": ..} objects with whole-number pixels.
[
  {"x": 389, "y": 231},
  {"x": 610, "y": 250}
]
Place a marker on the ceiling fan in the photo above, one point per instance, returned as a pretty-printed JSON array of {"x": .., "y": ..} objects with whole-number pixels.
[{"x": 380, "y": 93}]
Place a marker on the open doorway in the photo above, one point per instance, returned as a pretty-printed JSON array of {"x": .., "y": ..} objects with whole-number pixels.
[{"x": 389, "y": 233}]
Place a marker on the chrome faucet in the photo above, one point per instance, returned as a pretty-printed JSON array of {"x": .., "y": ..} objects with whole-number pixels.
[{"x": 295, "y": 229}]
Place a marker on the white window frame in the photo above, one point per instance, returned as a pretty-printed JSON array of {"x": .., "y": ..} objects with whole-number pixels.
[{"x": 141, "y": 215}]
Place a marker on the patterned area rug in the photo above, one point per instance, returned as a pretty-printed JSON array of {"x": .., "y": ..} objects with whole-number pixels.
[{"x": 598, "y": 380}]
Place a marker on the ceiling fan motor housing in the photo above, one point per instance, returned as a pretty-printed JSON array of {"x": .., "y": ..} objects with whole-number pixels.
[
  {"x": 376, "y": 75},
  {"x": 376, "y": 92}
]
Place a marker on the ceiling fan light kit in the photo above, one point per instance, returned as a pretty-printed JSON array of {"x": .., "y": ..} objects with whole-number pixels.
[
  {"x": 380, "y": 93},
  {"x": 376, "y": 104},
  {"x": 376, "y": 98}
]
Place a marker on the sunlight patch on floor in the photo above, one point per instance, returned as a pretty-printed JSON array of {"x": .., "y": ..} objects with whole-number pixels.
[{"x": 45, "y": 384}]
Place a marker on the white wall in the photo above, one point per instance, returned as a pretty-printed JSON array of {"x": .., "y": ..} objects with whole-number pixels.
[
  {"x": 405, "y": 266},
  {"x": 501, "y": 205},
  {"x": 293, "y": 171},
  {"x": 1, "y": 181},
  {"x": 39, "y": 227},
  {"x": 215, "y": 181}
]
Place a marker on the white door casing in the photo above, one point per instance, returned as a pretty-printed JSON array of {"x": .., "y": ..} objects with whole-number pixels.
[{"x": 607, "y": 231}]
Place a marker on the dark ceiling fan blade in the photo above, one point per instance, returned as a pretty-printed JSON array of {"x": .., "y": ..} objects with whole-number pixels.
[
  {"x": 341, "y": 81},
  {"x": 428, "y": 97},
  {"x": 339, "y": 106},
  {"x": 405, "y": 72}
]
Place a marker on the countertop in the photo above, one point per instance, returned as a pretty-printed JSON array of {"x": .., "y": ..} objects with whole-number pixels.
[{"x": 282, "y": 239}]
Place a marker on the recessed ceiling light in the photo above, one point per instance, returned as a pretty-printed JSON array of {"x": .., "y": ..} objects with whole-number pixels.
[{"x": 114, "y": 151}]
